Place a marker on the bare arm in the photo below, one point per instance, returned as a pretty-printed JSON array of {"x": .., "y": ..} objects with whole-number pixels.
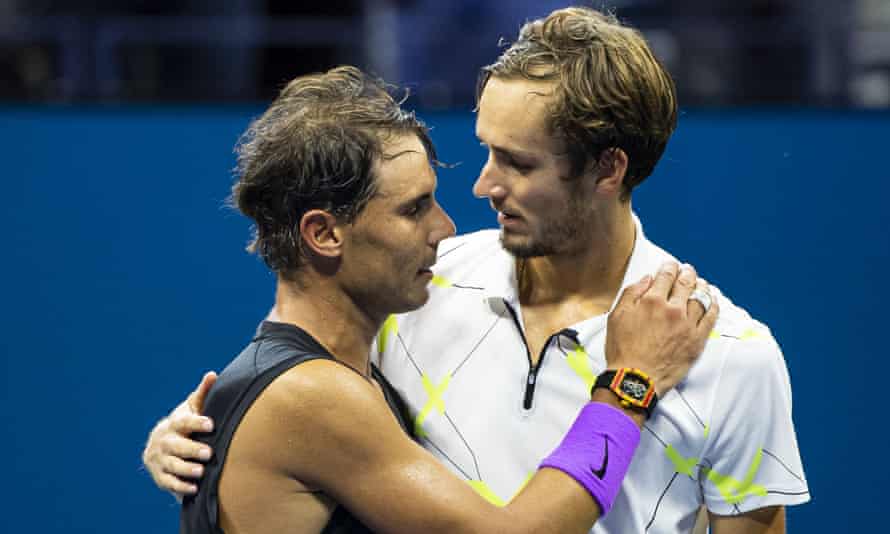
[
  {"x": 359, "y": 455},
  {"x": 769, "y": 520},
  {"x": 653, "y": 327}
]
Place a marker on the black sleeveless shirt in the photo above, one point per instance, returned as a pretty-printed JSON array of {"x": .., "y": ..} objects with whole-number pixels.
[{"x": 276, "y": 348}]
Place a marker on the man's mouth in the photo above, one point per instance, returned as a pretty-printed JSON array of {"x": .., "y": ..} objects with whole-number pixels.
[
  {"x": 428, "y": 269},
  {"x": 506, "y": 217}
]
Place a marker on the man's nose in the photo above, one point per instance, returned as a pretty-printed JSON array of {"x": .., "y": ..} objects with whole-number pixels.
[
  {"x": 444, "y": 227},
  {"x": 490, "y": 183}
]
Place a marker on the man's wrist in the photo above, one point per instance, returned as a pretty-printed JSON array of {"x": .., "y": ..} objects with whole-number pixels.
[
  {"x": 607, "y": 397},
  {"x": 597, "y": 451},
  {"x": 631, "y": 386}
]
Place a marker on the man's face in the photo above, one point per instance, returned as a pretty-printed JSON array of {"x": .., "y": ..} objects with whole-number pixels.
[
  {"x": 541, "y": 210},
  {"x": 391, "y": 244}
]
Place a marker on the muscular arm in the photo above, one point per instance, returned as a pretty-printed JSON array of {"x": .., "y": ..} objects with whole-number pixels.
[
  {"x": 653, "y": 327},
  {"x": 331, "y": 429},
  {"x": 769, "y": 520}
]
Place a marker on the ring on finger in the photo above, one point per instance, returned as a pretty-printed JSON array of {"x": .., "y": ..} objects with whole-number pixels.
[{"x": 702, "y": 297}]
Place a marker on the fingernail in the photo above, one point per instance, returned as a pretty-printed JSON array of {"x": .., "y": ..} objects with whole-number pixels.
[
  {"x": 207, "y": 425},
  {"x": 196, "y": 471},
  {"x": 204, "y": 454}
]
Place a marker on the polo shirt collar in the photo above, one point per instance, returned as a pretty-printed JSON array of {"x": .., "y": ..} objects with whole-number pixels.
[
  {"x": 640, "y": 263},
  {"x": 497, "y": 286}
]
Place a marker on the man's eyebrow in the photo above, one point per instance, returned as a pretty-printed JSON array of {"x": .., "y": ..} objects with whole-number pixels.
[
  {"x": 516, "y": 152},
  {"x": 511, "y": 151},
  {"x": 390, "y": 157},
  {"x": 420, "y": 197},
  {"x": 426, "y": 195}
]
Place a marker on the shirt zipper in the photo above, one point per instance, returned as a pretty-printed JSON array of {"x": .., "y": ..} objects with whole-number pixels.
[{"x": 532, "y": 377}]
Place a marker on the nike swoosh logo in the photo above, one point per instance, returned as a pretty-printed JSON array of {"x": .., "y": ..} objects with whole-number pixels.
[{"x": 601, "y": 472}]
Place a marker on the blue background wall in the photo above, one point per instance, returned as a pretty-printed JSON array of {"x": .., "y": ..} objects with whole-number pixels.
[{"x": 124, "y": 278}]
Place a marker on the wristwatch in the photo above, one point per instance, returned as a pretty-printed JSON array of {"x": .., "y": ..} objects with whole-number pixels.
[{"x": 632, "y": 386}]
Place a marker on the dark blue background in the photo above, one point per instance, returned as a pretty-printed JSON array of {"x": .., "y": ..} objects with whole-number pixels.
[{"x": 124, "y": 278}]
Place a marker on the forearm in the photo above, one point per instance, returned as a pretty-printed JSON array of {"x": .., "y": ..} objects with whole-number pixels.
[
  {"x": 359, "y": 457},
  {"x": 583, "y": 475},
  {"x": 769, "y": 520},
  {"x": 420, "y": 495},
  {"x": 551, "y": 502}
]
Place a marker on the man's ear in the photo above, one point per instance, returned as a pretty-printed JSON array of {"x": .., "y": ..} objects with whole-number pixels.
[
  {"x": 610, "y": 171},
  {"x": 320, "y": 234}
]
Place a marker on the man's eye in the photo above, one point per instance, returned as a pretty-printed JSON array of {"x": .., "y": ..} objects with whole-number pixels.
[
  {"x": 416, "y": 208},
  {"x": 521, "y": 167}
]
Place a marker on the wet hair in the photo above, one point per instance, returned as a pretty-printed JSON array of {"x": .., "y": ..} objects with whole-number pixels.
[
  {"x": 315, "y": 148},
  {"x": 610, "y": 90}
]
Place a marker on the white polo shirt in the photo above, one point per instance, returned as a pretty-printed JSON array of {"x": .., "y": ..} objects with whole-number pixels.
[{"x": 723, "y": 437}]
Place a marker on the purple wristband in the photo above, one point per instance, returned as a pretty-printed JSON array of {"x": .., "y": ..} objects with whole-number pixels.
[{"x": 597, "y": 451}]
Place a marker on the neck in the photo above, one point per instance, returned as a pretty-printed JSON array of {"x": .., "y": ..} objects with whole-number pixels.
[
  {"x": 593, "y": 272},
  {"x": 329, "y": 316}
]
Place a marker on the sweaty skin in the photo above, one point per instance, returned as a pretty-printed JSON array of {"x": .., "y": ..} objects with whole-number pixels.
[
  {"x": 322, "y": 435},
  {"x": 277, "y": 478}
]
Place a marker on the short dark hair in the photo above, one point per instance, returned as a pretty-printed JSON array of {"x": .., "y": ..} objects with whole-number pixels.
[
  {"x": 314, "y": 148},
  {"x": 611, "y": 91}
]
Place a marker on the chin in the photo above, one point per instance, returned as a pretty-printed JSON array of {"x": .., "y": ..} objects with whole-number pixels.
[
  {"x": 522, "y": 248},
  {"x": 413, "y": 302}
]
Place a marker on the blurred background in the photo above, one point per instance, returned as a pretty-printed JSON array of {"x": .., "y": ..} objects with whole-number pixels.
[
  {"x": 125, "y": 277},
  {"x": 722, "y": 52}
]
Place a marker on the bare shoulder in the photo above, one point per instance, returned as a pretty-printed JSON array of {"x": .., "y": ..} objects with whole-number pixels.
[
  {"x": 323, "y": 417},
  {"x": 287, "y": 444},
  {"x": 316, "y": 381},
  {"x": 316, "y": 393}
]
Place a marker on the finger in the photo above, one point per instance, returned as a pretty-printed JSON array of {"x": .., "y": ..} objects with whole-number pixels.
[
  {"x": 175, "y": 485},
  {"x": 664, "y": 279},
  {"x": 709, "y": 319},
  {"x": 683, "y": 286},
  {"x": 185, "y": 423},
  {"x": 182, "y": 469},
  {"x": 197, "y": 397},
  {"x": 694, "y": 309},
  {"x": 185, "y": 448},
  {"x": 633, "y": 292}
]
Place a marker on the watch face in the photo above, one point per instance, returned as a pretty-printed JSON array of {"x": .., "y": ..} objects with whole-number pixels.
[{"x": 634, "y": 387}]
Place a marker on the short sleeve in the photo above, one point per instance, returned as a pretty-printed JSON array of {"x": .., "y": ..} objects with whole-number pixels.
[{"x": 751, "y": 459}]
